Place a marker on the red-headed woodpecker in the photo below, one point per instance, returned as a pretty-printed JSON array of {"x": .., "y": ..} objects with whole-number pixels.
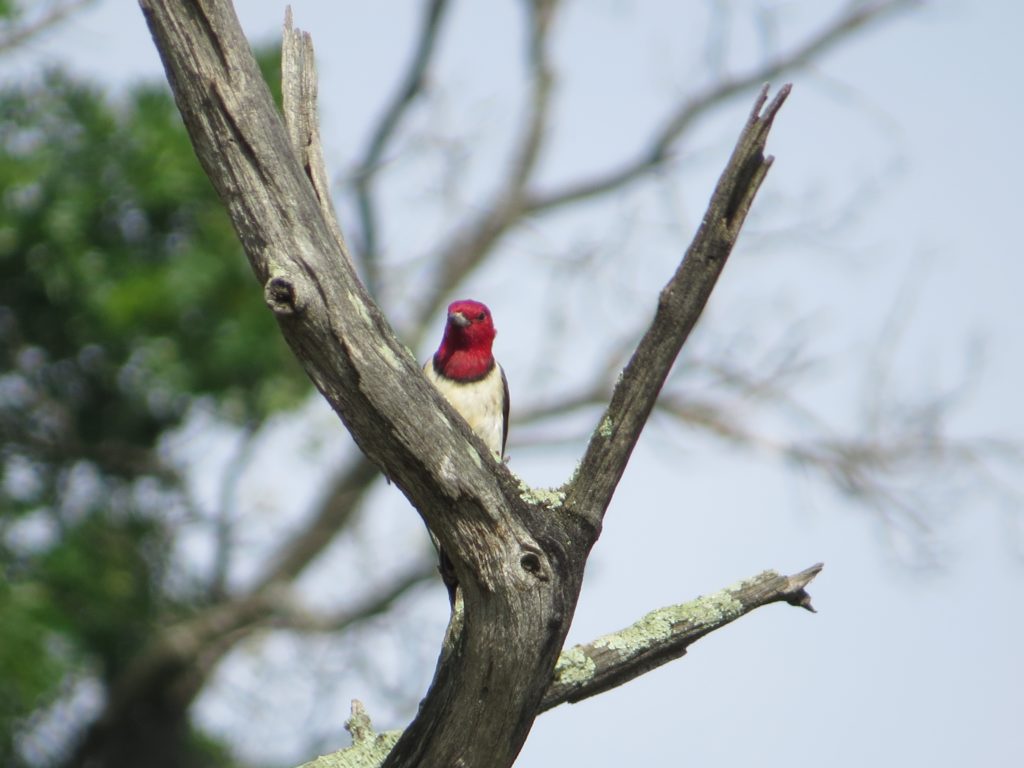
[{"x": 465, "y": 372}]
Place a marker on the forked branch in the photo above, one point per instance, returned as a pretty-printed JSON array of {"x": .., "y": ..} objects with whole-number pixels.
[
  {"x": 366, "y": 171},
  {"x": 518, "y": 555}
]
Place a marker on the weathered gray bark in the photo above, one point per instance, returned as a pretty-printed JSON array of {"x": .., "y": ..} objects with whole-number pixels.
[{"x": 518, "y": 554}]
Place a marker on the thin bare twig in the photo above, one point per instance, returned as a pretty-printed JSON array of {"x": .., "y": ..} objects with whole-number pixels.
[
  {"x": 866, "y": 468},
  {"x": 193, "y": 647},
  {"x": 475, "y": 240},
  {"x": 224, "y": 514},
  {"x": 16, "y": 35},
  {"x": 658, "y": 150},
  {"x": 411, "y": 87},
  {"x": 345, "y": 496},
  {"x": 288, "y": 614}
]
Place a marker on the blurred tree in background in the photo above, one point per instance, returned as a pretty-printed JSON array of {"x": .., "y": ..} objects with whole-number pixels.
[{"x": 124, "y": 301}]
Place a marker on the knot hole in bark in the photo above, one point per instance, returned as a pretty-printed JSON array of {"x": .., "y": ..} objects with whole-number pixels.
[
  {"x": 280, "y": 295},
  {"x": 532, "y": 562}
]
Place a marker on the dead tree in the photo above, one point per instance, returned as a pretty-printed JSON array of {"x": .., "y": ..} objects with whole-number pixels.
[{"x": 519, "y": 553}]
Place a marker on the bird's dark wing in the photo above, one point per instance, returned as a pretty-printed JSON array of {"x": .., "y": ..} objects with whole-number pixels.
[{"x": 504, "y": 409}]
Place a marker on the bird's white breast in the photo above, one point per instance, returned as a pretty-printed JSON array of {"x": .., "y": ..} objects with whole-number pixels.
[{"x": 479, "y": 402}]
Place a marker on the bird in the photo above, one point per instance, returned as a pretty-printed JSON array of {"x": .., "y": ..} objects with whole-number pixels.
[{"x": 464, "y": 370}]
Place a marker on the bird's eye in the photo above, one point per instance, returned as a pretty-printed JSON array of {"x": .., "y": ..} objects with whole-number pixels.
[{"x": 481, "y": 316}]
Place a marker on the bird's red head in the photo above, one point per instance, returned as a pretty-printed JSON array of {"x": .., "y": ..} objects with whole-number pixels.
[{"x": 465, "y": 351}]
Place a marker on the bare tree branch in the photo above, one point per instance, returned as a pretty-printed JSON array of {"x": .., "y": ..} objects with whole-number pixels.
[
  {"x": 366, "y": 170},
  {"x": 681, "y": 302},
  {"x": 664, "y": 635},
  {"x": 872, "y": 468},
  {"x": 659, "y": 149},
  {"x": 224, "y": 514},
  {"x": 176, "y": 664},
  {"x": 288, "y": 615},
  {"x": 474, "y": 240},
  {"x": 876, "y": 468},
  {"x": 541, "y": 16},
  {"x": 14, "y": 33},
  {"x": 346, "y": 494}
]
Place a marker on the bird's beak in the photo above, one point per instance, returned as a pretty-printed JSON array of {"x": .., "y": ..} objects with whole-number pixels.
[{"x": 459, "y": 319}]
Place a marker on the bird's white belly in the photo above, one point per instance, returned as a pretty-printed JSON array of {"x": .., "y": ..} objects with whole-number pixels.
[{"x": 478, "y": 402}]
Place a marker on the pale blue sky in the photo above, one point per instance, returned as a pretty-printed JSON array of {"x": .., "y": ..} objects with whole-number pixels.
[{"x": 910, "y": 131}]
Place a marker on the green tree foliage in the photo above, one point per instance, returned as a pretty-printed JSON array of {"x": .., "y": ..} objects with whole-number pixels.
[{"x": 124, "y": 302}]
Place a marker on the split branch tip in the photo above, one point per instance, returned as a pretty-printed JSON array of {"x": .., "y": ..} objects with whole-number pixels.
[{"x": 798, "y": 583}]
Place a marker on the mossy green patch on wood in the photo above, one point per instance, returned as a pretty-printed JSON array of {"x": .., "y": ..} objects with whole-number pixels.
[
  {"x": 552, "y": 498},
  {"x": 574, "y": 667},
  {"x": 710, "y": 610}
]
